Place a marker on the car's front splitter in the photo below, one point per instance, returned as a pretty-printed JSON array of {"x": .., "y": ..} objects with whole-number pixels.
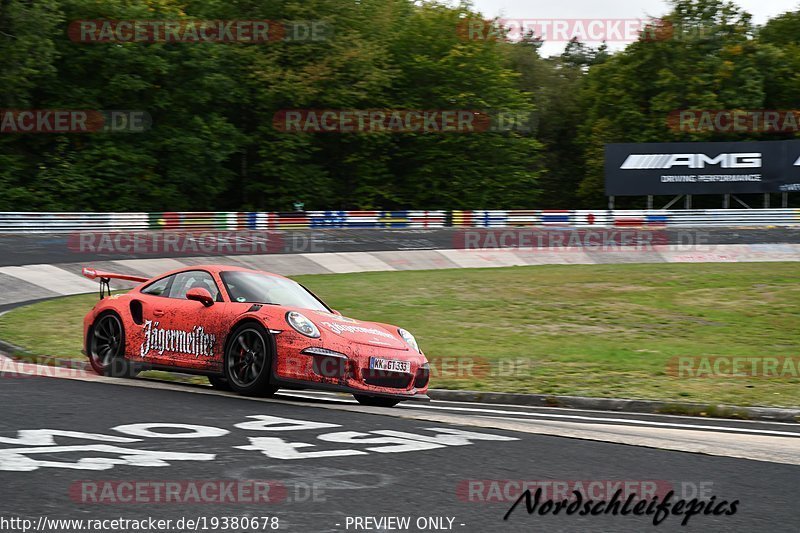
[{"x": 335, "y": 387}]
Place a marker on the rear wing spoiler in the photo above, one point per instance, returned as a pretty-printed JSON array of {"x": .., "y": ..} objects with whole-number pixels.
[
  {"x": 106, "y": 277},
  {"x": 94, "y": 274}
]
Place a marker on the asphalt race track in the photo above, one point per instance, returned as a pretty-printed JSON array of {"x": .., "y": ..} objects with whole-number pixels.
[
  {"x": 31, "y": 248},
  {"x": 76, "y": 446},
  {"x": 335, "y": 461}
]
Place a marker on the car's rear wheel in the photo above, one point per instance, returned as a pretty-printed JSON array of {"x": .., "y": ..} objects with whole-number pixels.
[
  {"x": 248, "y": 361},
  {"x": 375, "y": 401},
  {"x": 107, "y": 348},
  {"x": 219, "y": 383}
]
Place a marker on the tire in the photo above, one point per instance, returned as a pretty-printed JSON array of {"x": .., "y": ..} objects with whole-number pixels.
[
  {"x": 375, "y": 401},
  {"x": 107, "y": 348},
  {"x": 248, "y": 361},
  {"x": 219, "y": 383}
]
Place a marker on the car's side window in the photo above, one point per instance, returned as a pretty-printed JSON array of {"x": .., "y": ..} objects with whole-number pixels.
[
  {"x": 158, "y": 288},
  {"x": 191, "y": 280}
]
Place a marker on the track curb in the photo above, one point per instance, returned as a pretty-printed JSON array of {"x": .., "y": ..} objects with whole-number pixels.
[{"x": 771, "y": 414}]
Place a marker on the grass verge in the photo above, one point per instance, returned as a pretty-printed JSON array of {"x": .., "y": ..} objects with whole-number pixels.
[{"x": 593, "y": 330}]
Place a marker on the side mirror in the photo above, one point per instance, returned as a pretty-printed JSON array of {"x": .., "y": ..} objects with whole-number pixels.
[
  {"x": 199, "y": 294},
  {"x": 335, "y": 312}
]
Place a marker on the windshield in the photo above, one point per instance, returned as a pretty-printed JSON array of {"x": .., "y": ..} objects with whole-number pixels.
[{"x": 251, "y": 287}]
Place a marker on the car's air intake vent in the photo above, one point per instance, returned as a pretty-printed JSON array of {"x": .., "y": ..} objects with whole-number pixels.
[
  {"x": 423, "y": 376},
  {"x": 136, "y": 312}
]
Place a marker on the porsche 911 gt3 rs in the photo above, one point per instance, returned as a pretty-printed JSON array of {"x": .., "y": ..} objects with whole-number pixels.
[{"x": 251, "y": 332}]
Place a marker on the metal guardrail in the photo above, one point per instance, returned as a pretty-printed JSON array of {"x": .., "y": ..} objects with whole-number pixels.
[
  {"x": 623, "y": 218},
  {"x": 20, "y": 222},
  {"x": 231, "y": 221}
]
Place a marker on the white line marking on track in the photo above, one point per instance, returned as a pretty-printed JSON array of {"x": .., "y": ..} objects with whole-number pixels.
[
  {"x": 535, "y": 409},
  {"x": 631, "y": 413},
  {"x": 613, "y": 420},
  {"x": 312, "y": 395}
]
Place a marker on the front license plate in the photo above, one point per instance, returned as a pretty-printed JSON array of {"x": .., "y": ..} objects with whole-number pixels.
[{"x": 389, "y": 365}]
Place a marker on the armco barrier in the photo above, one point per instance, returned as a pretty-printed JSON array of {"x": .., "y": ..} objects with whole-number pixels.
[
  {"x": 651, "y": 218},
  {"x": 189, "y": 221},
  {"x": 231, "y": 221},
  {"x": 297, "y": 220}
]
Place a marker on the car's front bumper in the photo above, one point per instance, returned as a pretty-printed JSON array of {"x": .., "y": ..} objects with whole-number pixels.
[{"x": 346, "y": 368}]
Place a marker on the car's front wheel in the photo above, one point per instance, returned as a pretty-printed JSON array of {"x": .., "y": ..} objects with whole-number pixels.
[
  {"x": 248, "y": 361},
  {"x": 107, "y": 348},
  {"x": 375, "y": 401}
]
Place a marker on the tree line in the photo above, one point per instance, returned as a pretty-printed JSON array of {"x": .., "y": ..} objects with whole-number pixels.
[{"x": 211, "y": 141}]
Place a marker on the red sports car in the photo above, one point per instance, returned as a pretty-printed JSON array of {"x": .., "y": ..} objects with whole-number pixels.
[{"x": 251, "y": 332}]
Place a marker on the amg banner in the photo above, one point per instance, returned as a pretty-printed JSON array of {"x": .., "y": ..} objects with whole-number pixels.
[{"x": 702, "y": 168}]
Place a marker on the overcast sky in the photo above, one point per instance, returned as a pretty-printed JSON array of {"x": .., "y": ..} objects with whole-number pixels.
[{"x": 610, "y": 9}]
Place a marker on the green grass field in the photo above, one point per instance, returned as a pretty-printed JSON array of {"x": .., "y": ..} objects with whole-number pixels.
[{"x": 596, "y": 330}]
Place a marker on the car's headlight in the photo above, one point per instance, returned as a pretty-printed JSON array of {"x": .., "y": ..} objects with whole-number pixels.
[
  {"x": 409, "y": 338},
  {"x": 301, "y": 324}
]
